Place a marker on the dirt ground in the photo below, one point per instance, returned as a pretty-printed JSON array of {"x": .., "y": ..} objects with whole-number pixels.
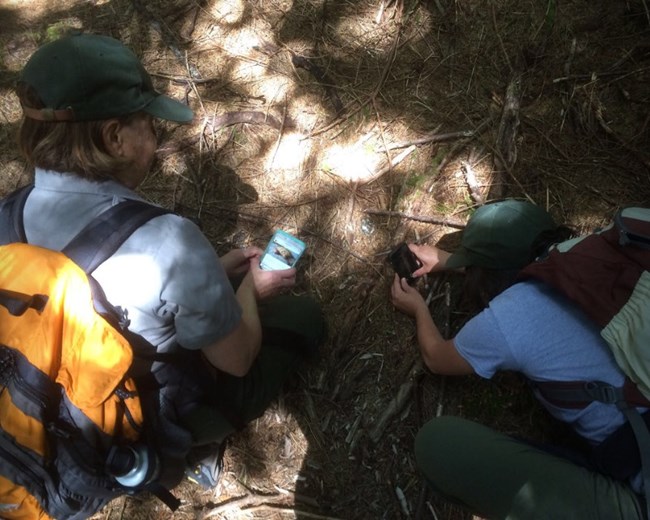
[{"x": 356, "y": 125}]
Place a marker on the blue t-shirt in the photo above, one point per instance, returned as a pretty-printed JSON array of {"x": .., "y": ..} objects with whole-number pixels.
[{"x": 531, "y": 329}]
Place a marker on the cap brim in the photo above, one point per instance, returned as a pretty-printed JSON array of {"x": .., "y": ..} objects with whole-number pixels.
[{"x": 164, "y": 107}]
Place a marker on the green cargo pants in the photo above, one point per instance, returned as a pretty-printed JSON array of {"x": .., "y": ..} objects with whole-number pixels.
[
  {"x": 495, "y": 476},
  {"x": 293, "y": 327}
]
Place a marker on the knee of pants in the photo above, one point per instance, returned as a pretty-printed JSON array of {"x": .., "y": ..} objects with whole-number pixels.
[
  {"x": 299, "y": 314},
  {"x": 433, "y": 434},
  {"x": 440, "y": 443}
]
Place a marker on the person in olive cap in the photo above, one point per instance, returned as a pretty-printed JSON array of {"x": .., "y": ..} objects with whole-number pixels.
[
  {"x": 521, "y": 326},
  {"x": 88, "y": 130}
]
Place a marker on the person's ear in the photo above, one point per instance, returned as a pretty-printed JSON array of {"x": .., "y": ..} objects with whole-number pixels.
[{"x": 113, "y": 138}]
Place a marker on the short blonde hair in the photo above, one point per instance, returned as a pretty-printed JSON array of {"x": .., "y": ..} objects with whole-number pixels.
[{"x": 67, "y": 146}]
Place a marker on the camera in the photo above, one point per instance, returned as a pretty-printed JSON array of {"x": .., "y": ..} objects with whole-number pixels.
[
  {"x": 283, "y": 252},
  {"x": 404, "y": 262}
]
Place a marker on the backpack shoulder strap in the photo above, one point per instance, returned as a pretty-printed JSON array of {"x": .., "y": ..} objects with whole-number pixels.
[
  {"x": 105, "y": 234},
  {"x": 11, "y": 216}
]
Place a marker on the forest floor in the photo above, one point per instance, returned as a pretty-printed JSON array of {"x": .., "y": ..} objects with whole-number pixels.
[{"x": 356, "y": 125}]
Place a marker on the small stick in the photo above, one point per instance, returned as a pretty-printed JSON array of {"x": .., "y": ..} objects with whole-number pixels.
[
  {"x": 443, "y": 221},
  {"x": 380, "y": 12},
  {"x": 298, "y": 513},
  {"x": 392, "y": 163},
  {"x": 508, "y": 128},
  {"x": 353, "y": 429},
  {"x": 402, "y": 501},
  {"x": 472, "y": 184},
  {"x": 397, "y": 403},
  {"x": 434, "y": 138},
  {"x": 280, "y": 134}
]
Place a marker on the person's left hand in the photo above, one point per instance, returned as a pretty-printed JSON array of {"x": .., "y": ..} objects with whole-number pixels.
[
  {"x": 237, "y": 261},
  {"x": 405, "y": 298}
]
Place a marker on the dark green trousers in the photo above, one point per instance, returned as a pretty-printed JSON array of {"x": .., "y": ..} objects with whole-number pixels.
[
  {"x": 495, "y": 476},
  {"x": 293, "y": 328}
]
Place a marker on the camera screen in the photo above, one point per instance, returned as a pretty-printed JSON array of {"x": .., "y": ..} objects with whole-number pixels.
[{"x": 283, "y": 252}]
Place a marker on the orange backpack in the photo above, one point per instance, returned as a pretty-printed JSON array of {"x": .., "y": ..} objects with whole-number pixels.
[{"x": 81, "y": 420}]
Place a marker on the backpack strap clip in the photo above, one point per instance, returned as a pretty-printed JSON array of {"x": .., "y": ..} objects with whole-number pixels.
[
  {"x": 628, "y": 237},
  {"x": 604, "y": 392}
]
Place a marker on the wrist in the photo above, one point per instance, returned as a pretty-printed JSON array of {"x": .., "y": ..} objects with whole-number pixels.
[
  {"x": 421, "y": 312},
  {"x": 247, "y": 287},
  {"x": 443, "y": 256}
]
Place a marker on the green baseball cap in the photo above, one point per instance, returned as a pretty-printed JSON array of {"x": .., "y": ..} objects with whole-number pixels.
[
  {"x": 86, "y": 77},
  {"x": 500, "y": 235}
]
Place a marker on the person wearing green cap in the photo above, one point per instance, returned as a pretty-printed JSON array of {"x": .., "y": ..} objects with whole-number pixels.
[
  {"x": 526, "y": 327},
  {"x": 88, "y": 130}
]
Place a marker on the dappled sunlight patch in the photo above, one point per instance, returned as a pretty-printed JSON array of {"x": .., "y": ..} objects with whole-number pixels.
[
  {"x": 288, "y": 157},
  {"x": 228, "y": 11},
  {"x": 364, "y": 27},
  {"x": 356, "y": 31},
  {"x": 245, "y": 66},
  {"x": 275, "y": 89},
  {"x": 354, "y": 162},
  {"x": 307, "y": 110}
]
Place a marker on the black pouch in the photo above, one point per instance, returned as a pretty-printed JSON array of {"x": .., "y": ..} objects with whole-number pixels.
[{"x": 618, "y": 455}]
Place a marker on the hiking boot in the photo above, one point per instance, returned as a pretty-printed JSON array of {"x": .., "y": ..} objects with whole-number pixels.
[{"x": 206, "y": 471}]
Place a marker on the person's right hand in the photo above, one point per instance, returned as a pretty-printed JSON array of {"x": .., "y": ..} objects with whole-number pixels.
[
  {"x": 269, "y": 283},
  {"x": 405, "y": 298},
  {"x": 237, "y": 261},
  {"x": 432, "y": 258}
]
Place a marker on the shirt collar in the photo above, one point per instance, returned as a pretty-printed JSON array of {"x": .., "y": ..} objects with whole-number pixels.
[{"x": 72, "y": 183}]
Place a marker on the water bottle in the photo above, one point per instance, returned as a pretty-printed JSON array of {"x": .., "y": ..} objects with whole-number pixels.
[{"x": 132, "y": 466}]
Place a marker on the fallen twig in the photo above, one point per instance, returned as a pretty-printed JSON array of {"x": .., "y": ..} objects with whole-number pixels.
[
  {"x": 393, "y": 162},
  {"x": 472, "y": 184},
  {"x": 397, "y": 403},
  {"x": 596, "y": 75},
  {"x": 506, "y": 142},
  {"x": 280, "y": 134},
  {"x": 441, "y": 220},
  {"x": 505, "y": 150},
  {"x": 257, "y": 502},
  {"x": 434, "y": 138},
  {"x": 403, "y": 502}
]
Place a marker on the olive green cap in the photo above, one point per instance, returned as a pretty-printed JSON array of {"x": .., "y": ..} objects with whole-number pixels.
[
  {"x": 500, "y": 235},
  {"x": 86, "y": 77}
]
